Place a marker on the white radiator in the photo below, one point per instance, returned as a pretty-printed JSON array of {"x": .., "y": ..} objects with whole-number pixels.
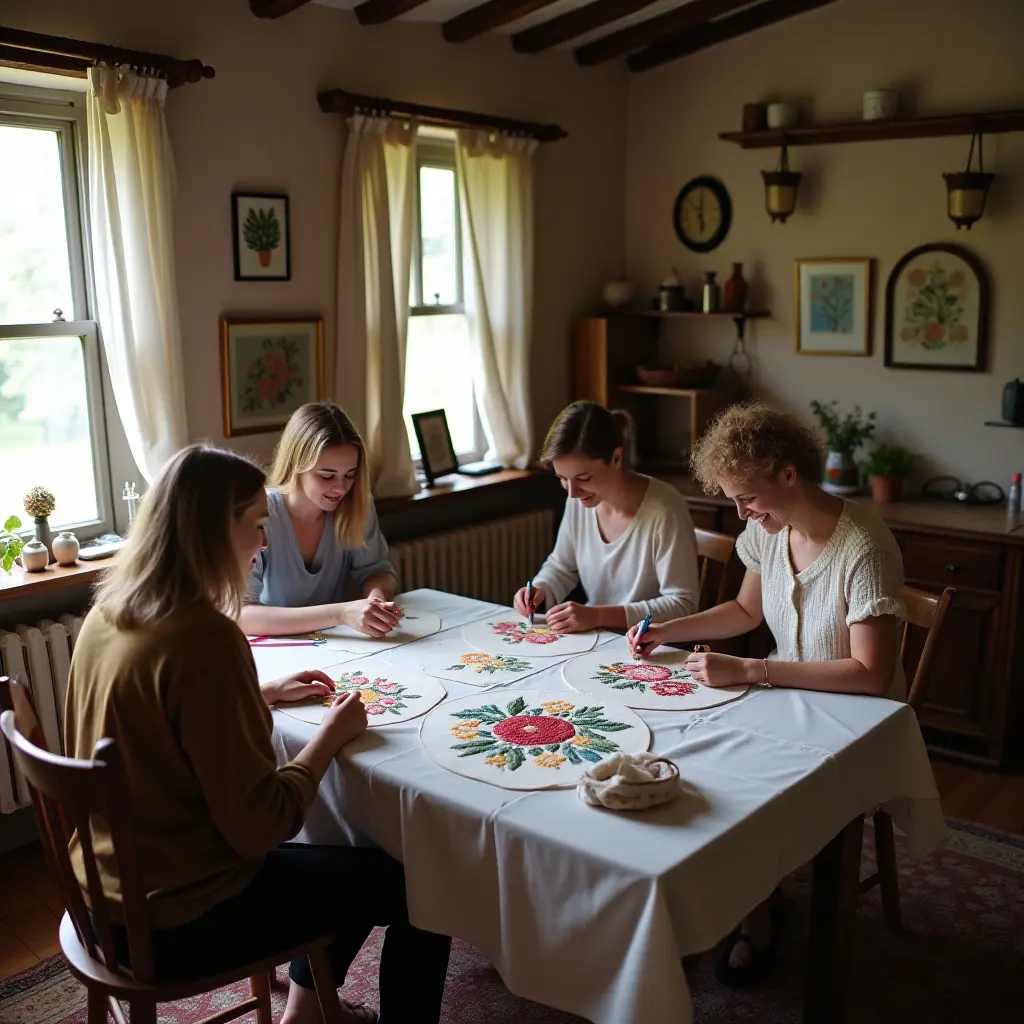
[
  {"x": 489, "y": 561},
  {"x": 40, "y": 657}
]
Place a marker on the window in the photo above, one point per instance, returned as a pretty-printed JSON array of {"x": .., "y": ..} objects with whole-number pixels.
[
  {"x": 52, "y": 409},
  {"x": 438, "y": 360}
]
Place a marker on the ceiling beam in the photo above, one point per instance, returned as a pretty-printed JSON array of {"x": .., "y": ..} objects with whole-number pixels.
[
  {"x": 575, "y": 23},
  {"x": 768, "y": 13},
  {"x": 275, "y": 8},
  {"x": 377, "y": 12},
  {"x": 489, "y": 16},
  {"x": 635, "y": 37}
]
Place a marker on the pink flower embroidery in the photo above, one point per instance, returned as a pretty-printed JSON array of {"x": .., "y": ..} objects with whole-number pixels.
[
  {"x": 359, "y": 681},
  {"x": 540, "y": 638},
  {"x": 384, "y": 686},
  {"x": 677, "y": 689},
  {"x": 387, "y": 701},
  {"x": 646, "y": 673},
  {"x": 374, "y": 709}
]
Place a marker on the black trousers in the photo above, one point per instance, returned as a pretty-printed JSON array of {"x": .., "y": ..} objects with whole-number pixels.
[{"x": 305, "y": 891}]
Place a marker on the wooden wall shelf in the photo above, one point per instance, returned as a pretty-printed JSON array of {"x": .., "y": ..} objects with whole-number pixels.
[
  {"x": 693, "y": 315},
  {"x": 1004, "y": 423},
  {"x": 874, "y": 131},
  {"x": 649, "y": 389}
]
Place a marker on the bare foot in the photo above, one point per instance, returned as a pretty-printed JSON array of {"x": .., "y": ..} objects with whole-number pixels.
[
  {"x": 304, "y": 1008},
  {"x": 758, "y": 926}
]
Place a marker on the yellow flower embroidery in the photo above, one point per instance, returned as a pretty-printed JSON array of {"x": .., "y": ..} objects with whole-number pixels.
[
  {"x": 557, "y": 707},
  {"x": 542, "y": 629},
  {"x": 549, "y": 760},
  {"x": 498, "y": 760},
  {"x": 579, "y": 741},
  {"x": 499, "y": 664},
  {"x": 475, "y": 659},
  {"x": 465, "y": 730},
  {"x": 369, "y": 696}
]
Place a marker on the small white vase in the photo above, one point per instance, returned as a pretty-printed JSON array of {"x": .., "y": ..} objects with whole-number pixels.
[
  {"x": 34, "y": 556},
  {"x": 65, "y": 548},
  {"x": 617, "y": 294},
  {"x": 782, "y": 115},
  {"x": 841, "y": 475}
]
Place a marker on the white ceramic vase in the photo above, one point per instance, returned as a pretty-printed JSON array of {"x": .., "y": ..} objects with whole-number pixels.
[
  {"x": 841, "y": 475},
  {"x": 34, "y": 556},
  {"x": 65, "y": 548},
  {"x": 617, "y": 294}
]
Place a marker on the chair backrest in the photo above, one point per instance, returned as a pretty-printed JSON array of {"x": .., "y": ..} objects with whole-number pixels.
[
  {"x": 713, "y": 547},
  {"x": 924, "y": 611},
  {"x": 65, "y": 793}
]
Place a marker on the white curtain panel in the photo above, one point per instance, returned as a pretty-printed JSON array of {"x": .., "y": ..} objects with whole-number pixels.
[
  {"x": 496, "y": 195},
  {"x": 131, "y": 188},
  {"x": 378, "y": 180}
]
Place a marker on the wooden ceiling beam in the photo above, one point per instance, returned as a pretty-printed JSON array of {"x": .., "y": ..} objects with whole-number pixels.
[
  {"x": 635, "y": 37},
  {"x": 377, "y": 12},
  {"x": 700, "y": 38},
  {"x": 275, "y": 8},
  {"x": 489, "y": 16},
  {"x": 575, "y": 23}
]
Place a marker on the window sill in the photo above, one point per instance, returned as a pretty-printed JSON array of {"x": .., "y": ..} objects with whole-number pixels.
[
  {"x": 20, "y": 584},
  {"x": 451, "y": 487}
]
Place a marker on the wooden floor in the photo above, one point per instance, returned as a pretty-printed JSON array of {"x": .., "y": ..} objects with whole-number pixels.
[{"x": 30, "y": 903}]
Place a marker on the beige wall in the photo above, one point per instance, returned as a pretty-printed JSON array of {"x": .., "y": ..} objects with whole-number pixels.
[
  {"x": 257, "y": 125},
  {"x": 876, "y": 199}
]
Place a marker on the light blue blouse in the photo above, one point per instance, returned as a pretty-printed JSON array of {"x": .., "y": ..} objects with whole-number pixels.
[{"x": 280, "y": 577}]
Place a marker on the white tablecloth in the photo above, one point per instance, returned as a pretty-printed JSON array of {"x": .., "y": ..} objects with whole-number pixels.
[{"x": 590, "y": 911}]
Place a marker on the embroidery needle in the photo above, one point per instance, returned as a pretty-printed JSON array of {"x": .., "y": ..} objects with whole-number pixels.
[
  {"x": 637, "y": 646},
  {"x": 529, "y": 598}
]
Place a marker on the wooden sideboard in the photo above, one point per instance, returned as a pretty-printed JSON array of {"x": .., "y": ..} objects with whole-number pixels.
[{"x": 975, "y": 707}]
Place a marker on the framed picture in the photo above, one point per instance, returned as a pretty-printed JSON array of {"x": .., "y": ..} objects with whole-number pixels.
[
  {"x": 833, "y": 306},
  {"x": 436, "y": 449},
  {"x": 261, "y": 237},
  {"x": 269, "y": 368},
  {"x": 936, "y": 310}
]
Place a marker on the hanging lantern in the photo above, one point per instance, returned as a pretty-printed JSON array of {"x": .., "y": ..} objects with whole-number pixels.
[
  {"x": 968, "y": 190},
  {"x": 780, "y": 188}
]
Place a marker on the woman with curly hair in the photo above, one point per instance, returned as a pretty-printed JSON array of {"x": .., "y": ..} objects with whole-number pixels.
[{"x": 823, "y": 572}]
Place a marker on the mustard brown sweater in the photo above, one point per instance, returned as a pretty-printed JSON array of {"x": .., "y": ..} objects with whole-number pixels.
[{"x": 207, "y": 798}]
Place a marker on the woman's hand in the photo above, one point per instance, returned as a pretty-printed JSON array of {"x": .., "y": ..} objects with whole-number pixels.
[
  {"x": 344, "y": 720},
  {"x": 571, "y": 617},
  {"x": 520, "y": 605},
  {"x": 301, "y": 686},
  {"x": 371, "y": 616},
  {"x": 653, "y": 637},
  {"x": 723, "y": 669}
]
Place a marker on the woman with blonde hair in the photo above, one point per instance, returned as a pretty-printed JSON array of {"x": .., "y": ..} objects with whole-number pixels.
[
  {"x": 626, "y": 538},
  {"x": 323, "y": 538},
  {"x": 161, "y": 667},
  {"x": 825, "y": 573}
]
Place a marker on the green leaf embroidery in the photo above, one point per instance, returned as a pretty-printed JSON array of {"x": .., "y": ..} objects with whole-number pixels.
[{"x": 516, "y": 706}]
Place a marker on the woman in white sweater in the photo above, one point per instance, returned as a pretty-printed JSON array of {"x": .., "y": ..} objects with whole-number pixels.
[
  {"x": 626, "y": 538},
  {"x": 824, "y": 573}
]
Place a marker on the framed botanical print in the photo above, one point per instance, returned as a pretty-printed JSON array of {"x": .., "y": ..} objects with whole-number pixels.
[
  {"x": 437, "y": 452},
  {"x": 268, "y": 369},
  {"x": 832, "y": 299},
  {"x": 936, "y": 310},
  {"x": 261, "y": 237}
]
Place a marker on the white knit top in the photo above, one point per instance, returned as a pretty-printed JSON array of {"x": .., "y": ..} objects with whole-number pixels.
[{"x": 857, "y": 576}]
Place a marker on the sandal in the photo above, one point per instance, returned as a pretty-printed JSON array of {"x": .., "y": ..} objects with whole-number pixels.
[
  {"x": 360, "y": 1013},
  {"x": 761, "y": 960}
]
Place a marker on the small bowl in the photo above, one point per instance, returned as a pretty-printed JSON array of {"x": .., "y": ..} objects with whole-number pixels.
[
  {"x": 697, "y": 375},
  {"x": 658, "y": 376}
]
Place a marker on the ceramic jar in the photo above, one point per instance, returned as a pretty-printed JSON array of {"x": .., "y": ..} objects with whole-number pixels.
[
  {"x": 782, "y": 115},
  {"x": 734, "y": 292},
  {"x": 879, "y": 104},
  {"x": 617, "y": 294},
  {"x": 65, "y": 548},
  {"x": 841, "y": 475},
  {"x": 34, "y": 556},
  {"x": 709, "y": 294}
]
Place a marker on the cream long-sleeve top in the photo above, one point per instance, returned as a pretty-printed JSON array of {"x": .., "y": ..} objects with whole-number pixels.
[
  {"x": 857, "y": 576},
  {"x": 652, "y": 567}
]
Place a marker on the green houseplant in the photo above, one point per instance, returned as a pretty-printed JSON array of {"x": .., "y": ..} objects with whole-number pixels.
[
  {"x": 10, "y": 543},
  {"x": 845, "y": 433},
  {"x": 262, "y": 232},
  {"x": 887, "y": 466}
]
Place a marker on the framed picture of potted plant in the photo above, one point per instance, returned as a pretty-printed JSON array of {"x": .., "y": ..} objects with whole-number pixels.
[
  {"x": 832, "y": 300},
  {"x": 846, "y": 434},
  {"x": 887, "y": 466},
  {"x": 268, "y": 369},
  {"x": 261, "y": 237}
]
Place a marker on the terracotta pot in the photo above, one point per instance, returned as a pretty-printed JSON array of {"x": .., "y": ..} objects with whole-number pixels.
[
  {"x": 886, "y": 489},
  {"x": 735, "y": 290},
  {"x": 264, "y": 257}
]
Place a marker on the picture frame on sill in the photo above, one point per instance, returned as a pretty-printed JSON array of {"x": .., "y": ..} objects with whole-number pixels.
[
  {"x": 261, "y": 229},
  {"x": 437, "y": 453},
  {"x": 832, "y": 306},
  {"x": 936, "y": 310},
  {"x": 269, "y": 367}
]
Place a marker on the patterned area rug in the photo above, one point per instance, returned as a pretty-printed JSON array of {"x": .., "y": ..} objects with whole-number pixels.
[{"x": 960, "y": 959}]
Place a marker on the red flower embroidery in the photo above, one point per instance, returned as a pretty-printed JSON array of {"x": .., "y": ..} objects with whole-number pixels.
[
  {"x": 674, "y": 689},
  {"x": 540, "y": 638},
  {"x": 646, "y": 673},
  {"x": 533, "y": 730}
]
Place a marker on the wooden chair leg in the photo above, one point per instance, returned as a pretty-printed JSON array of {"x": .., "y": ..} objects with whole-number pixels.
[
  {"x": 97, "y": 1007},
  {"x": 330, "y": 1004},
  {"x": 888, "y": 876},
  {"x": 261, "y": 992}
]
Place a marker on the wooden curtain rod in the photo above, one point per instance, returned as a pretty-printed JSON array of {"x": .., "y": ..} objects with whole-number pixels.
[
  {"x": 338, "y": 101},
  {"x": 32, "y": 49}
]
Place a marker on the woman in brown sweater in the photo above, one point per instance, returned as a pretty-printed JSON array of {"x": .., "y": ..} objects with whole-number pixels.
[{"x": 162, "y": 668}]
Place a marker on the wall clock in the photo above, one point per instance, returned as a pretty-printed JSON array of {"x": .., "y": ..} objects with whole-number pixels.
[{"x": 703, "y": 214}]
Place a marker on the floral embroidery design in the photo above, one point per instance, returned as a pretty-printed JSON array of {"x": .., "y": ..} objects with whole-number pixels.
[
  {"x": 271, "y": 377},
  {"x": 664, "y": 681},
  {"x": 552, "y": 734},
  {"x": 380, "y": 697},
  {"x": 517, "y": 632},
  {"x": 489, "y": 663}
]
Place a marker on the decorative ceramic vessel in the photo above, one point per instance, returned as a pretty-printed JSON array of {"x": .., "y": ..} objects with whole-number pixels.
[
  {"x": 617, "y": 294},
  {"x": 65, "y": 548},
  {"x": 41, "y": 532},
  {"x": 34, "y": 556},
  {"x": 840, "y": 474},
  {"x": 755, "y": 117},
  {"x": 782, "y": 115},
  {"x": 734, "y": 292},
  {"x": 879, "y": 104},
  {"x": 709, "y": 296}
]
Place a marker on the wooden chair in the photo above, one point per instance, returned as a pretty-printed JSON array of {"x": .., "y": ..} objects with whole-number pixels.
[
  {"x": 924, "y": 611},
  {"x": 718, "y": 548},
  {"x": 65, "y": 792}
]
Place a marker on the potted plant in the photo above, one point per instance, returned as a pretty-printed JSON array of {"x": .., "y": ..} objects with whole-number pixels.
[
  {"x": 10, "y": 543},
  {"x": 845, "y": 435},
  {"x": 887, "y": 467},
  {"x": 262, "y": 233}
]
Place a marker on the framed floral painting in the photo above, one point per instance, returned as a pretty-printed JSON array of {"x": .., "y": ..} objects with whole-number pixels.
[
  {"x": 936, "y": 310},
  {"x": 269, "y": 368},
  {"x": 833, "y": 306},
  {"x": 262, "y": 241}
]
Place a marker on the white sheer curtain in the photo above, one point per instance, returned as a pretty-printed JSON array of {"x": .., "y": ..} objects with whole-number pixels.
[
  {"x": 378, "y": 180},
  {"x": 131, "y": 187},
  {"x": 495, "y": 175}
]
